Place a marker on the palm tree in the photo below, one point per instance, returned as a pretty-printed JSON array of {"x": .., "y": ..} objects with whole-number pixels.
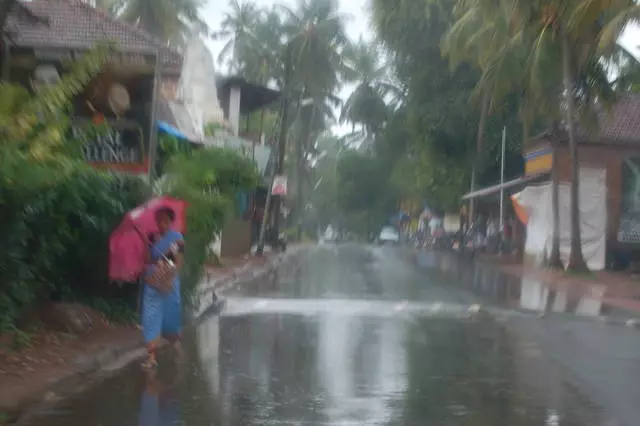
[
  {"x": 261, "y": 52},
  {"x": 316, "y": 39},
  {"x": 482, "y": 35},
  {"x": 238, "y": 26},
  {"x": 497, "y": 34},
  {"x": 109, "y": 6},
  {"x": 316, "y": 34},
  {"x": 577, "y": 30},
  {"x": 366, "y": 104},
  {"x": 169, "y": 20}
]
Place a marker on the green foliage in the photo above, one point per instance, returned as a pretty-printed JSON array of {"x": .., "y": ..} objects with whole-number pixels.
[
  {"x": 116, "y": 311},
  {"x": 365, "y": 197},
  {"x": 38, "y": 124},
  {"x": 211, "y": 128},
  {"x": 168, "y": 20},
  {"x": 430, "y": 140},
  {"x": 168, "y": 146},
  {"x": 55, "y": 222},
  {"x": 208, "y": 180},
  {"x": 56, "y": 212}
]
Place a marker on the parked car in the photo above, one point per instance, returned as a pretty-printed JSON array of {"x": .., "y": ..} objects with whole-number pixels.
[{"x": 389, "y": 235}]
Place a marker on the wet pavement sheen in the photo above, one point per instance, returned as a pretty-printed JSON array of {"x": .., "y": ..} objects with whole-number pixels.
[{"x": 348, "y": 335}]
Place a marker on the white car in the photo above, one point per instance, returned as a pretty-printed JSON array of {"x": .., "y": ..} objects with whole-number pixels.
[
  {"x": 388, "y": 235},
  {"x": 330, "y": 235}
]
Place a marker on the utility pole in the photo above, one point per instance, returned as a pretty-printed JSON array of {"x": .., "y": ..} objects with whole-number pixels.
[
  {"x": 281, "y": 148},
  {"x": 504, "y": 144}
]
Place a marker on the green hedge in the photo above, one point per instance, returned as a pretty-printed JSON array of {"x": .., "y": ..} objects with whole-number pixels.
[
  {"x": 55, "y": 221},
  {"x": 56, "y": 217},
  {"x": 208, "y": 180}
]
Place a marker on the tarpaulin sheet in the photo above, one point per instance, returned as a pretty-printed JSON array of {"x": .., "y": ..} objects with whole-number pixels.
[{"x": 536, "y": 199}]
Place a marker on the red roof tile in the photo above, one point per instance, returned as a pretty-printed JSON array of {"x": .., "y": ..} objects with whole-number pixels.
[
  {"x": 77, "y": 25},
  {"x": 621, "y": 124}
]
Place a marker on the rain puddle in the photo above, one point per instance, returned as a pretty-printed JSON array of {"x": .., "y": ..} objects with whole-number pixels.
[
  {"x": 526, "y": 293},
  {"x": 359, "y": 336}
]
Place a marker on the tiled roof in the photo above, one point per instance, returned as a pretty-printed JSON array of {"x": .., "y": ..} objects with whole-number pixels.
[
  {"x": 74, "y": 24},
  {"x": 619, "y": 125}
]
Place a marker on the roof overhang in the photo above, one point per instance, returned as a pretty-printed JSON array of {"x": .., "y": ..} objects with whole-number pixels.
[
  {"x": 252, "y": 96},
  {"x": 509, "y": 187}
]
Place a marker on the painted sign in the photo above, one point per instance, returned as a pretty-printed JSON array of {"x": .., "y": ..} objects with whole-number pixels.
[
  {"x": 119, "y": 147},
  {"x": 539, "y": 161},
  {"x": 279, "y": 186},
  {"x": 629, "y": 226}
]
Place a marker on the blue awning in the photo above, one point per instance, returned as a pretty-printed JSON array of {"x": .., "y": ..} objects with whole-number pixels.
[{"x": 170, "y": 130}]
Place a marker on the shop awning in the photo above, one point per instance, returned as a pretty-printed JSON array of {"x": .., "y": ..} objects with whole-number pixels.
[
  {"x": 509, "y": 186},
  {"x": 170, "y": 130}
]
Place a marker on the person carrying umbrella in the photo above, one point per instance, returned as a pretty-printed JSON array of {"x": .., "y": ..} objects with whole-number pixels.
[{"x": 161, "y": 301}]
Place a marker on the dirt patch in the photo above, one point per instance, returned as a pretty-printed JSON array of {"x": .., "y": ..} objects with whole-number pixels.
[{"x": 28, "y": 374}]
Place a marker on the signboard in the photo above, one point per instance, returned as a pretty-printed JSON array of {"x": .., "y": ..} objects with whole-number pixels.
[
  {"x": 279, "y": 186},
  {"x": 538, "y": 161},
  {"x": 119, "y": 147},
  {"x": 629, "y": 226}
]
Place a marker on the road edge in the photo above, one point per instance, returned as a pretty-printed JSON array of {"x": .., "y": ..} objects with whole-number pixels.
[{"x": 90, "y": 368}]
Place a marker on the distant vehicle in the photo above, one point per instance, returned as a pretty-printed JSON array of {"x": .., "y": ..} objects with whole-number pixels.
[
  {"x": 330, "y": 235},
  {"x": 388, "y": 235}
]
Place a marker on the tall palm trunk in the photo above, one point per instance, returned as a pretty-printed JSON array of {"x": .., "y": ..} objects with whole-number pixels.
[
  {"x": 554, "y": 260},
  {"x": 482, "y": 124},
  {"x": 576, "y": 259},
  {"x": 301, "y": 159},
  {"x": 284, "y": 127}
]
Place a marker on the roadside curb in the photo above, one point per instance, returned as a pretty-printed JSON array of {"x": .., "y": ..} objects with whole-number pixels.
[{"x": 89, "y": 368}]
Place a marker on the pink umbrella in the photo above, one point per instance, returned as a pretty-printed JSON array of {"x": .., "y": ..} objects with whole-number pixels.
[{"x": 128, "y": 242}]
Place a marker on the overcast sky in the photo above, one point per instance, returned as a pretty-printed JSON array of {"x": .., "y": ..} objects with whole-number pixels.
[{"x": 357, "y": 25}]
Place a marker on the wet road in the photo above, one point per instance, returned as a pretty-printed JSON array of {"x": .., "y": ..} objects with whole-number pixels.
[{"x": 355, "y": 335}]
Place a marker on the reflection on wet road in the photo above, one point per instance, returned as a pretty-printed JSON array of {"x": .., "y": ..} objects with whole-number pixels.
[{"x": 345, "y": 336}]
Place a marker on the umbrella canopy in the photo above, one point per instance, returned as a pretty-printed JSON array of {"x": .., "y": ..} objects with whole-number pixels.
[{"x": 128, "y": 242}]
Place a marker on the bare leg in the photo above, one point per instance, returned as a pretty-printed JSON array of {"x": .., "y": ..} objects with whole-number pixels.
[{"x": 151, "y": 361}]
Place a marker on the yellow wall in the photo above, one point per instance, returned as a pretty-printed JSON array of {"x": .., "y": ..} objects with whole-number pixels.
[{"x": 538, "y": 162}]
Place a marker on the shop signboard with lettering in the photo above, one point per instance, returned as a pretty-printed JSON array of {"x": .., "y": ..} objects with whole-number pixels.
[{"x": 119, "y": 146}]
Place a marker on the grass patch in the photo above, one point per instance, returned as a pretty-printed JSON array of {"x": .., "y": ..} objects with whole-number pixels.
[
  {"x": 115, "y": 311},
  {"x": 589, "y": 275}
]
